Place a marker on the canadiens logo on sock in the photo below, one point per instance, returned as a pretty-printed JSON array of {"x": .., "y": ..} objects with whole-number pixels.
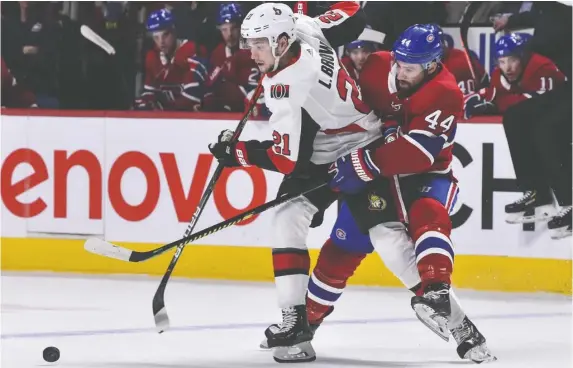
[{"x": 279, "y": 91}]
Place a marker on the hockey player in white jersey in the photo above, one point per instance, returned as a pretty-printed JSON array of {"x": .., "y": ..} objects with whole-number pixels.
[{"x": 317, "y": 116}]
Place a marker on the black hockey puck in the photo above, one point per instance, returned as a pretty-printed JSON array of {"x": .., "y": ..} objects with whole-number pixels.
[{"x": 51, "y": 354}]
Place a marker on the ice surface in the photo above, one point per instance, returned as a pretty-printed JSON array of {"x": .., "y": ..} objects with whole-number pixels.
[{"x": 107, "y": 322}]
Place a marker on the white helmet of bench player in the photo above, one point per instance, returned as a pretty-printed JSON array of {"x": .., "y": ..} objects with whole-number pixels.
[{"x": 268, "y": 21}]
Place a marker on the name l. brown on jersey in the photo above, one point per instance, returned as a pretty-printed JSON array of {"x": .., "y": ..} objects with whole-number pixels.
[{"x": 327, "y": 64}]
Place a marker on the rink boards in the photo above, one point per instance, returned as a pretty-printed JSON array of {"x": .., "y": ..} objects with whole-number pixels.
[{"x": 135, "y": 179}]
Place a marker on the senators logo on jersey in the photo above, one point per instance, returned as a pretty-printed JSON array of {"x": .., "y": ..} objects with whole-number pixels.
[{"x": 279, "y": 91}]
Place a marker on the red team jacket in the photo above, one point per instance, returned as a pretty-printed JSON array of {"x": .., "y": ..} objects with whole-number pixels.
[
  {"x": 231, "y": 77},
  {"x": 13, "y": 94},
  {"x": 178, "y": 84},
  {"x": 427, "y": 118},
  {"x": 457, "y": 63},
  {"x": 540, "y": 75}
]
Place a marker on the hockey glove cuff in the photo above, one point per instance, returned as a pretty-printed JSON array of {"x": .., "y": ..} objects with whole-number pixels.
[
  {"x": 475, "y": 104},
  {"x": 390, "y": 131},
  {"x": 228, "y": 154},
  {"x": 351, "y": 173}
]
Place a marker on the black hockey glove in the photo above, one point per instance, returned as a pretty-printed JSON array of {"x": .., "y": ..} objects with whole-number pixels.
[{"x": 224, "y": 150}]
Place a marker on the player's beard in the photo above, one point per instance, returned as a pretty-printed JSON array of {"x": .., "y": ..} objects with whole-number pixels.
[{"x": 404, "y": 86}]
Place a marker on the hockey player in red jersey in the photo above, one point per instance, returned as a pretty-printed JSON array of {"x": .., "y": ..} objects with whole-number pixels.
[
  {"x": 175, "y": 70},
  {"x": 356, "y": 54},
  {"x": 425, "y": 198},
  {"x": 421, "y": 103},
  {"x": 468, "y": 71},
  {"x": 232, "y": 73},
  {"x": 517, "y": 77}
]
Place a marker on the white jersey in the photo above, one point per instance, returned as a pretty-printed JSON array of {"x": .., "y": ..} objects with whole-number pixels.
[{"x": 316, "y": 106}]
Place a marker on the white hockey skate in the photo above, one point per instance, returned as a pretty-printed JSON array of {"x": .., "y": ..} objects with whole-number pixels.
[
  {"x": 433, "y": 308},
  {"x": 560, "y": 225},
  {"x": 471, "y": 343}
]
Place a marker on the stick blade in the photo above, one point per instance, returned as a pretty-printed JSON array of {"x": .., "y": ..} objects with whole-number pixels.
[
  {"x": 159, "y": 310},
  {"x": 89, "y": 34},
  {"x": 161, "y": 320},
  {"x": 103, "y": 248}
]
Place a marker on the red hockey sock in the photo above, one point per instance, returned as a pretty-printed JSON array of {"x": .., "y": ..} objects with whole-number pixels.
[
  {"x": 328, "y": 279},
  {"x": 430, "y": 228}
]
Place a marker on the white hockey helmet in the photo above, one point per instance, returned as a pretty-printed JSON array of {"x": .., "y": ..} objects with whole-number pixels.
[{"x": 270, "y": 21}]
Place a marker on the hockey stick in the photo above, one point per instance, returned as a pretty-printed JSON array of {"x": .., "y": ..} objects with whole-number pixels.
[
  {"x": 96, "y": 39},
  {"x": 90, "y": 35},
  {"x": 106, "y": 249},
  {"x": 158, "y": 304},
  {"x": 466, "y": 20}
]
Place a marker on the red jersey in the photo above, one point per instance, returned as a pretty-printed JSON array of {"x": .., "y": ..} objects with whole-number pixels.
[
  {"x": 178, "y": 84},
  {"x": 427, "y": 119},
  {"x": 231, "y": 77},
  {"x": 540, "y": 75},
  {"x": 457, "y": 62},
  {"x": 349, "y": 65},
  {"x": 13, "y": 95}
]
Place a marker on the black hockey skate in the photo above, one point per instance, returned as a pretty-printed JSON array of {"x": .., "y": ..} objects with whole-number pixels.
[
  {"x": 560, "y": 225},
  {"x": 471, "y": 343},
  {"x": 292, "y": 337},
  {"x": 530, "y": 208},
  {"x": 433, "y": 308},
  {"x": 274, "y": 327}
]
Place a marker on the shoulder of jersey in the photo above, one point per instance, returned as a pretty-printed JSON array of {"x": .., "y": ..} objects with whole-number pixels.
[
  {"x": 495, "y": 74},
  {"x": 186, "y": 50},
  {"x": 151, "y": 54},
  {"x": 446, "y": 82},
  {"x": 377, "y": 60},
  {"x": 220, "y": 49},
  {"x": 440, "y": 91},
  {"x": 454, "y": 53},
  {"x": 152, "y": 59},
  {"x": 307, "y": 26},
  {"x": 537, "y": 62},
  {"x": 305, "y": 67}
]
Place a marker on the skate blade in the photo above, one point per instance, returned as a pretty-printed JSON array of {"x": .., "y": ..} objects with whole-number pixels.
[
  {"x": 560, "y": 233},
  {"x": 541, "y": 213},
  {"x": 480, "y": 354},
  {"x": 436, "y": 323},
  {"x": 299, "y": 353},
  {"x": 264, "y": 345}
]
